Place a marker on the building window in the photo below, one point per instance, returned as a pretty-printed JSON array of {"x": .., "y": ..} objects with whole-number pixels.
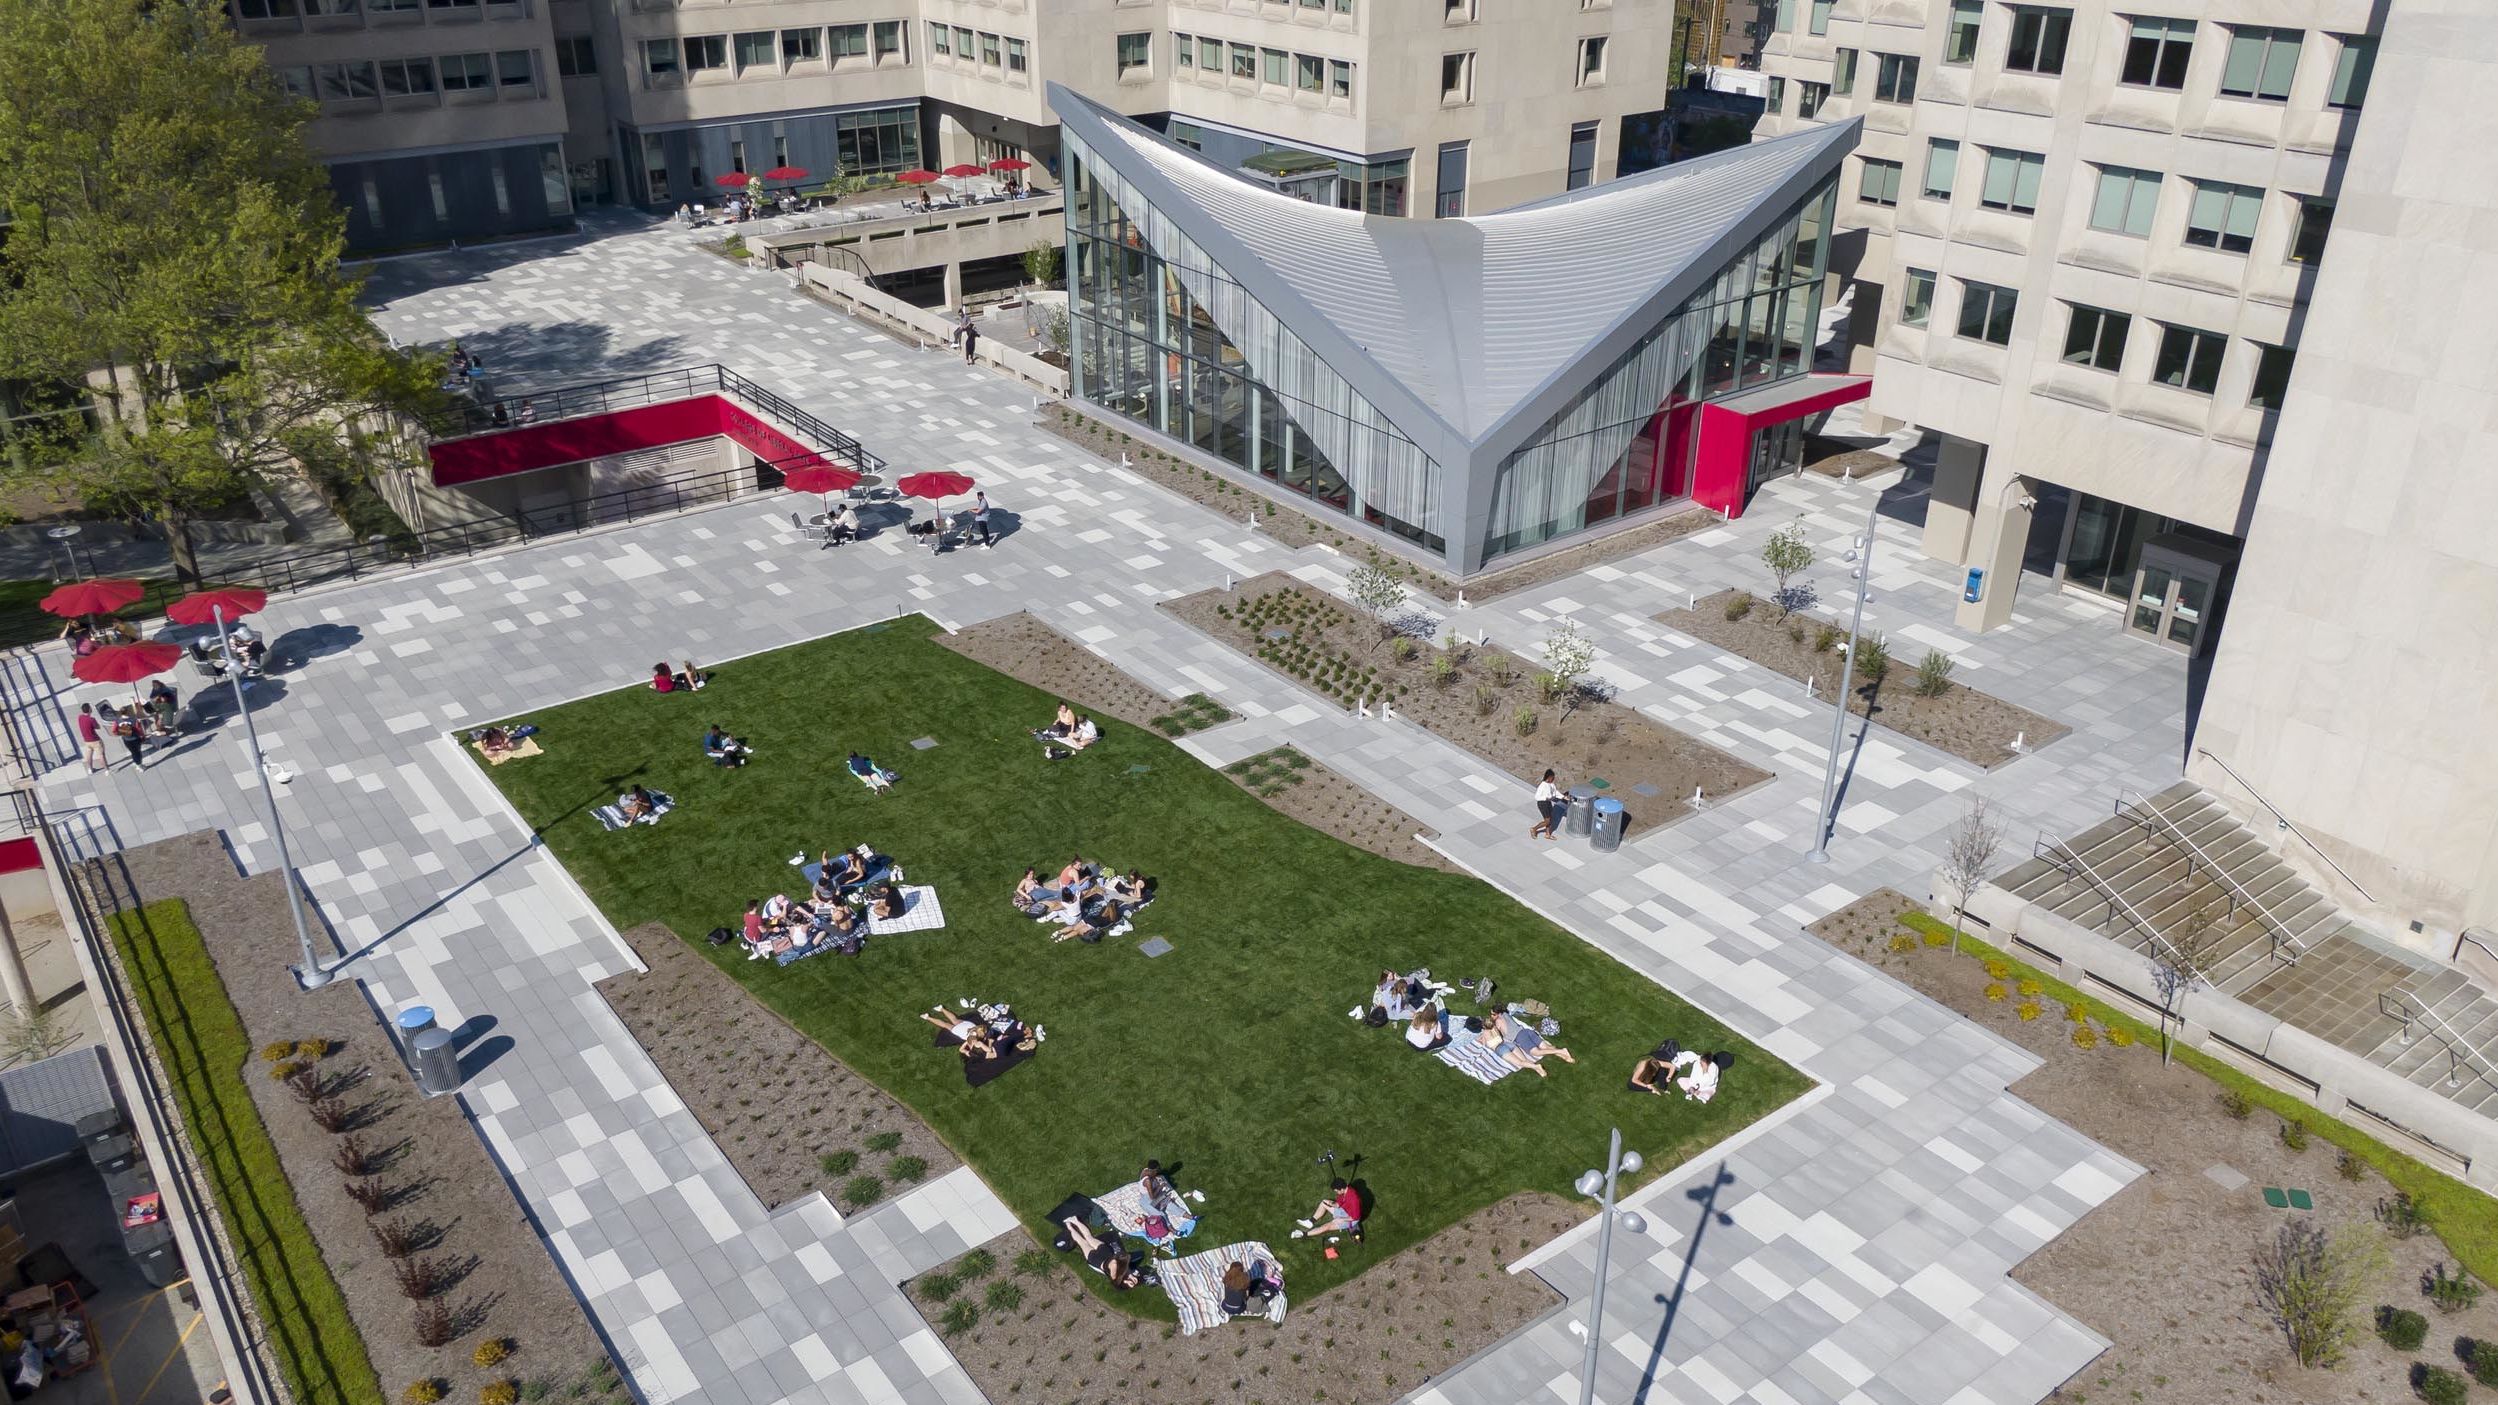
[
  {"x": 1960, "y": 38},
  {"x": 1245, "y": 61},
  {"x": 298, "y": 80},
  {"x": 2261, "y": 63},
  {"x": 1017, "y": 59},
  {"x": 940, "y": 41},
  {"x": 467, "y": 73},
  {"x": 1784, "y": 21},
  {"x": 1775, "y": 102},
  {"x": 2038, "y": 37},
  {"x": 706, "y": 52},
  {"x": 1895, "y": 78},
  {"x": 2315, "y": 221},
  {"x": 655, "y": 156},
  {"x": 1582, "y": 168},
  {"x": 1183, "y": 51},
  {"x": 1592, "y": 60},
  {"x": 1210, "y": 55},
  {"x": 1986, "y": 312},
  {"x": 848, "y": 41},
  {"x": 2156, "y": 55},
  {"x": 807, "y": 45},
  {"x": 756, "y": 50},
  {"x": 2189, "y": 358},
  {"x": 992, "y": 50},
  {"x": 575, "y": 56},
  {"x": 1309, "y": 73},
  {"x": 1843, "y": 73},
  {"x": 1450, "y": 200},
  {"x": 1460, "y": 11},
  {"x": 1819, "y": 17},
  {"x": 737, "y": 155},
  {"x": 2272, "y": 376},
  {"x": 1339, "y": 79},
  {"x": 1809, "y": 98},
  {"x": 1879, "y": 184},
  {"x": 2351, "y": 66},
  {"x": 963, "y": 44},
  {"x": 2223, "y": 217},
  {"x": 1916, "y": 298},
  {"x": 2096, "y": 338},
  {"x": 266, "y": 9},
  {"x": 1942, "y": 163},
  {"x": 405, "y": 78},
  {"x": 2125, "y": 201},
  {"x": 2012, "y": 180},
  {"x": 1457, "y": 78},
  {"x": 888, "y": 39},
  {"x": 1275, "y": 66},
  {"x": 659, "y": 57},
  {"x": 516, "y": 68}
]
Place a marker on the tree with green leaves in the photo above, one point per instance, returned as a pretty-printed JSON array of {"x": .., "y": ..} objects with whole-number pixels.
[
  {"x": 1041, "y": 263},
  {"x": 172, "y": 254}
]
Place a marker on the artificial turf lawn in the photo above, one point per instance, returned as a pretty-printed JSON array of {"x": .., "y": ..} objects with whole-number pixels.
[
  {"x": 1230, "y": 1059},
  {"x": 207, "y": 1056}
]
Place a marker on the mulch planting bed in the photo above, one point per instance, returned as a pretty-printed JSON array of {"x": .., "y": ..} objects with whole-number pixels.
[
  {"x": 1974, "y": 726},
  {"x": 1375, "y": 1339},
  {"x": 790, "y": 1116},
  {"x": 502, "y": 1285},
  {"x": 1024, "y": 648},
  {"x": 1481, "y": 704},
  {"x": 1839, "y": 458},
  {"x": 2164, "y": 1269},
  {"x": 1294, "y": 528}
]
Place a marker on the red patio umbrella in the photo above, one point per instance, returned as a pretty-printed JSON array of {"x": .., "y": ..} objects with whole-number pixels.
[
  {"x": 786, "y": 173},
  {"x": 936, "y": 486},
  {"x": 204, "y": 606},
  {"x": 733, "y": 179},
  {"x": 1010, "y": 163},
  {"x": 819, "y": 478},
  {"x": 126, "y": 663},
  {"x": 964, "y": 168},
  {"x": 918, "y": 177},
  {"x": 99, "y": 597}
]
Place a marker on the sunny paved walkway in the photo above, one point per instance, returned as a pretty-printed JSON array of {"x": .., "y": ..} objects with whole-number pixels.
[{"x": 1853, "y": 1251}]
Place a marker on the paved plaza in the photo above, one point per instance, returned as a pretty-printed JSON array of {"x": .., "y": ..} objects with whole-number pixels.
[{"x": 1854, "y": 1248}]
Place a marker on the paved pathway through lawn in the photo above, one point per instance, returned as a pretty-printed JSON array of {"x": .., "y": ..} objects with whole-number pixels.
[{"x": 1852, "y": 1250}]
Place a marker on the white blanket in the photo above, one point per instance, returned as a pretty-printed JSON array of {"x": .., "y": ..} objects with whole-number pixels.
[{"x": 921, "y": 912}]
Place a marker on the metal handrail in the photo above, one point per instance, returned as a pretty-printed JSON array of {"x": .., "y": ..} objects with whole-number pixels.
[
  {"x": 2458, "y": 1048},
  {"x": 2058, "y": 851},
  {"x": 2280, "y": 930},
  {"x": 2285, "y": 821},
  {"x": 502, "y": 413}
]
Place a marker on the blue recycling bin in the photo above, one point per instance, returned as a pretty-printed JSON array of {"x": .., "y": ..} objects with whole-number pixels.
[{"x": 1605, "y": 831}]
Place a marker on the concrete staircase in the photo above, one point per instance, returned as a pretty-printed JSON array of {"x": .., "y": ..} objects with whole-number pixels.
[{"x": 2146, "y": 876}]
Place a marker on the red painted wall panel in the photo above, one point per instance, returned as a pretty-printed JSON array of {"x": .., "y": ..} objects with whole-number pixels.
[{"x": 518, "y": 450}]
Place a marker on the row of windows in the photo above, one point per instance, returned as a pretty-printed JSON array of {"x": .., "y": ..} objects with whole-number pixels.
[
  {"x": 1213, "y": 58},
  {"x": 773, "y": 51},
  {"x": 999, "y": 51},
  {"x": 509, "y": 74},
  {"x": 2188, "y": 357},
  {"x": 2261, "y": 64},
  {"x": 2220, "y": 215},
  {"x": 317, "y": 9},
  {"x": 1457, "y": 71}
]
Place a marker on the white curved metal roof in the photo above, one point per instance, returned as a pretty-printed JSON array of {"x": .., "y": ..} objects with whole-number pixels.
[{"x": 1471, "y": 316}]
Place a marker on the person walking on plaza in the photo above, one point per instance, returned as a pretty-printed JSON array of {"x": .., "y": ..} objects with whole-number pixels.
[
  {"x": 980, "y": 518},
  {"x": 133, "y": 737},
  {"x": 1552, "y": 805},
  {"x": 91, "y": 737},
  {"x": 966, "y": 333}
]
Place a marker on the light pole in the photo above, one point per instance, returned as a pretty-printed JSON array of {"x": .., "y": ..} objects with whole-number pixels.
[
  {"x": 1598, "y": 1186},
  {"x": 308, "y": 970},
  {"x": 1860, "y": 557}
]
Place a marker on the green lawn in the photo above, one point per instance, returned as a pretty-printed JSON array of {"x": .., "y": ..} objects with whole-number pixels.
[
  {"x": 1232, "y": 1056},
  {"x": 207, "y": 1055}
]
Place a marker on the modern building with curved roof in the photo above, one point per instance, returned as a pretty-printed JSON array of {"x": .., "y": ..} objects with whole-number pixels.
[{"x": 1479, "y": 387}]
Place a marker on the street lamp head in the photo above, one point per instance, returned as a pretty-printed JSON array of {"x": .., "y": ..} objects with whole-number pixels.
[
  {"x": 1631, "y": 1163},
  {"x": 1633, "y": 1222},
  {"x": 1590, "y": 1183}
]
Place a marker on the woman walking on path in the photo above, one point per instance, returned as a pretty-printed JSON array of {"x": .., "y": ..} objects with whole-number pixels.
[{"x": 1552, "y": 805}]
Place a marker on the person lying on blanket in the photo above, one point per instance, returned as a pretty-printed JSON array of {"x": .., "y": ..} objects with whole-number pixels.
[
  {"x": 994, "y": 1027},
  {"x": 1108, "y": 1256},
  {"x": 1094, "y": 923},
  {"x": 1134, "y": 889},
  {"x": 1340, "y": 1212},
  {"x": 870, "y": 772},
  {"x": 1521, "y": 1044}
]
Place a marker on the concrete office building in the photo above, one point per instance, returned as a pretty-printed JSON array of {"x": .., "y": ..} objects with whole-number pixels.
[
  {"x": 431, "y": 108},
  {"x": 1471, "y": 390},
  {"x": 2082, "y": 238}
]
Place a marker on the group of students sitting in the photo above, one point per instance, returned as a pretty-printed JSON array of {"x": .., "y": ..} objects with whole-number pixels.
[
  {"x": 1521, "y": 1034},
  {"x": 1670, "y": 1063},
  {"x": 984, "y": 1032},
  {"x": 688, "y": 679},
  {"x": 1067, "y": 734},
  {"x": 1088, "y": 903},
  {"x": 848, "y": 891}
]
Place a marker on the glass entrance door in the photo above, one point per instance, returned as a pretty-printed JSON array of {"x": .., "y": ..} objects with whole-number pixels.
[
  {"x": 1777, "y": 449},
  {"x": 2169, "y": 604}
]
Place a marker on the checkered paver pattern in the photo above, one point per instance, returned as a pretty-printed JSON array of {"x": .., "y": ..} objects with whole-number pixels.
[{"x": 1852, "y": 1249}]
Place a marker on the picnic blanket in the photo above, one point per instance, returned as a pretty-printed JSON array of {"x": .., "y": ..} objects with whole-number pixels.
[
  {"x": 1195, "y": 1284},
  {"x": 979, "y": 1071},
  {"x": 612, "y": 817},
  {"x": 830, "y": 941},
  {"x": 1470, "y": 1056},
  {"x": 877, "y": 868},
  {"x": 921, "y": 912},
  {"x": 528, "y": 746}
]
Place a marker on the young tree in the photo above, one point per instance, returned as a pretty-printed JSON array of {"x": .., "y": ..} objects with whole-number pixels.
[
  {"x": 1568, "y": 655},
  {"x": 1788, "y": 555},
  {"x": 2311, "y": 1282},
  {"x": 1375, "y": 590},
  {"x": 173, "y": 254},
  {"x": 1041, "y": 262},
  {"x": 2183, "y": 961},
  {"x": 1969, "y": 854}
]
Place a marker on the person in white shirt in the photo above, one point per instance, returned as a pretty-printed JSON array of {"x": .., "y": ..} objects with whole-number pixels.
[
  {"x": 1552, "y": 805},
  {"x": 1697, "y": 1075}
]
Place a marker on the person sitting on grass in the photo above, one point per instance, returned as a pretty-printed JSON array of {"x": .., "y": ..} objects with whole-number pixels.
[
  {"x": 1135, "y": 889},
  {"x": 1396, "y": 995},
  {"x": 723, "y": 749},
  {"x": 1650, "y": 1074},
  {"x": 1340, "y": 1212},
  {"x": 494, "y": 741},
  {"x": 849, "y": 872},
  {"x": 1521, "y": 1044},
  {"x": 1029, "y": 894},
  {"x": 639, "y": 806},
  {"x": 1428, "y": 1029},
  {"x": 1075, "y": 871},
  {"x": 1698, "y": 1074},
  {"x": 1108, "y": 1256},
  {"x": 1086, "y": 733},
  {"x": 1062, "y": 727}
]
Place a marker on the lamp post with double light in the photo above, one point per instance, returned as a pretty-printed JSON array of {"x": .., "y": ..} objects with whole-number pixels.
[{"x": 1599, "y": 1186}]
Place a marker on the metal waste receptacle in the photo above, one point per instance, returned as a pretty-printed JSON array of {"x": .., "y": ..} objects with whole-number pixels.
[
  {"x": 414, "y": 1020},
  {"x": 1582, "y": 800},
  {"x": 1607, "y": 834},
  {"x": 437, "y": 1063}
]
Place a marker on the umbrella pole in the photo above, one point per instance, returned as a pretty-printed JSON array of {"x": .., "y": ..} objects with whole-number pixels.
[{"x": 309, "y": 970}]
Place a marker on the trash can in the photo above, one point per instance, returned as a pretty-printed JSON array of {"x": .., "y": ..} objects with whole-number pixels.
[
  {"x": 1607, "y": 830},
  {"x": 1582, "y": 800},
  {"x": 437, "y": 1063},
  {"x": 414, "y": 1020}
]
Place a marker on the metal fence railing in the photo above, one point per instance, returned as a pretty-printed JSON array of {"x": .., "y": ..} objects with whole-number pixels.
[{"x": 537, "y": 407}]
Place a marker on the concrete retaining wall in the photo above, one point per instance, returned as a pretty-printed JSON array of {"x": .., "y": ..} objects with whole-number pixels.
[{"x": 851, "y": 294}]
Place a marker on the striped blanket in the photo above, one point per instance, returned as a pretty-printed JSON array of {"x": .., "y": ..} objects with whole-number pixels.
[
  {"x": 1473, "y": 1058},
  {"x": 1195, "y": 1284}
]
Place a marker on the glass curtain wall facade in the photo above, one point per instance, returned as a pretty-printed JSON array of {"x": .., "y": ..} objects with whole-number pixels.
[
  {"x": 1626, "y": 444},
  {"x": 1148, "y": 341}
]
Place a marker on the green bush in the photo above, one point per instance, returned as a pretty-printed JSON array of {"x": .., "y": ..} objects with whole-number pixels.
[
  {"x": 2439, "y": 1386},
  {"x": 1825, "y": 639},
  {"x": 2402, "y": 1216},
  {"x": 2350, "y": 1167},
  {"x": 862, "y": 1190},
  {"x": 1005, "y": 1295},
  {"x": 838, "y": 1163},
  {"x": 1524, "y": 720},
  {"x": 1934, "y": 674},
  {"x": 2294, "y": 1134},
  {"x": 2401, "y": 1328},
  {"x": 2450, "y": 1292},
  {"x": 960, "y": 1317},
  {"x": 979, "y": 1263},
  {"x": 1738, "y": 607},
  {"x": 1032, "y": 1263},
  {"x": 906, "y": 1168},
  {"x": 884, "y": 1141},
  {"x": 937, "y": 1287},
  {"x": 1873, "y": 658},
  {"x": 2236, "y": 1104},
  {"x": 2481, "y": 1358}
]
